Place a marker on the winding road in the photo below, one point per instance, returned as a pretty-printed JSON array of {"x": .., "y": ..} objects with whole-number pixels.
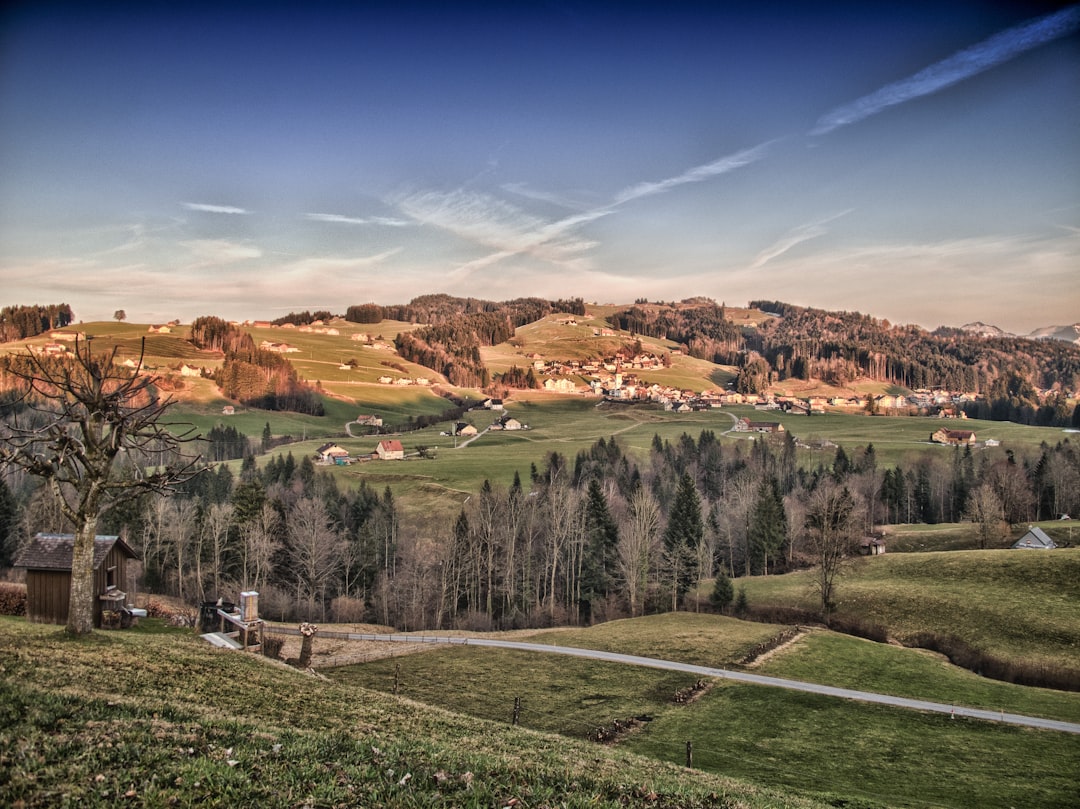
[{"x": 725, "y": 674}]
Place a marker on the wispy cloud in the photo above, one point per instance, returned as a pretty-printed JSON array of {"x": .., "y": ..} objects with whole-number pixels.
[
  {"x": 204, "y": 207},
  {"x": 208, "y": 252},
  {"x": 558, "y": 200},
  {"x": 509, "y": 231},
  {"x": 386, "y": 221},
  {"x": 319, "y": 265},
  {"x": 795, "y": 236},
  {"x": 495, "y": 224},
  {"x": 961, "y": 65},
  {"x": 697, "y": 174}
]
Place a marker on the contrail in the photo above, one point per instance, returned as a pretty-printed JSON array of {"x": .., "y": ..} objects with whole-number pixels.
[{"x": 961, "y": 65}]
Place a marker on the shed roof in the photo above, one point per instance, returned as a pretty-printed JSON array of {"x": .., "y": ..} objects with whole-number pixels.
[
  {"x": 54, "y": 551},
  {"x": 1035, "y": 538}
]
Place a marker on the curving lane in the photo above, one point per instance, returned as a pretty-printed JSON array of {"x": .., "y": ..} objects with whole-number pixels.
[{"x": 725, "y": 674}]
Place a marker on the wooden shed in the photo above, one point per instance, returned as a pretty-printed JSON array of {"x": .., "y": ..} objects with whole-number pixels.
[{"x": 47, "y": 560}]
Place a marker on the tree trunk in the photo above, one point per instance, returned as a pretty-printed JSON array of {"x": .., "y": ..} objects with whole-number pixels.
[{"x": 80, "y": 619}]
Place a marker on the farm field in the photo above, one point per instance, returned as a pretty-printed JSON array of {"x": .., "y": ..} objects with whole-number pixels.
[{"x": 843, "y": 750}]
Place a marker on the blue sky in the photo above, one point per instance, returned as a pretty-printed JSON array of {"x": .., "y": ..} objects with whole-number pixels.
[{"x": 918, "y": 161}]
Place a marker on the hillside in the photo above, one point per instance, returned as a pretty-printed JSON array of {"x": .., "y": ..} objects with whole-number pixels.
[
  {"x": 993, "y": 601},
  {"x": 145, "y": 719}
]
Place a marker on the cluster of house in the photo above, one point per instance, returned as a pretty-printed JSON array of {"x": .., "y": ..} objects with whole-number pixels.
[
  {"x": 403, "y": 380},
  {"x": 278, "y": 348},
  {"x": 371, "y": 342},
  {"x": 331, "y": 454}
]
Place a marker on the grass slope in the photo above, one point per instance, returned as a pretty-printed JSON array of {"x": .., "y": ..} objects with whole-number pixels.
[
  {"x": 139, "y": 718},
  {"x": 851, "y": 754},
  {"x": 1014, "y": 604}
]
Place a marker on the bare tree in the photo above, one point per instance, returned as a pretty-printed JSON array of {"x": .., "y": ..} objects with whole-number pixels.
[
  {"x": 639, "y": 540},
  {"x": 316, "y": 549},
  {"x": 83, "y": 412},
  {"x": 985, "y": 510},
  {"x": 260, "y": 541},
  {"x": 217, "y": 525},
  {"x": 833, "y": 519}
]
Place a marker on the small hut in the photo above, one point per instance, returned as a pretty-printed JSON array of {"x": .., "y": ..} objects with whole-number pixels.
[
  {"x": 47, "y": 560},
  {"x": 1035, "y": 539}
]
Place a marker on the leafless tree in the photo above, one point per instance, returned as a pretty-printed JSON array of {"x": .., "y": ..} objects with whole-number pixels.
[
  {"x": 833, "y": 520},
  {"x": 639, "y": 540},
  {"x": 83, "y": 413},
  {"x": 985, "y": 510},
  {"x": 316, "y": 549},
  {"x": 216, "y": 526},
  {"x": 260, "y": 541}
]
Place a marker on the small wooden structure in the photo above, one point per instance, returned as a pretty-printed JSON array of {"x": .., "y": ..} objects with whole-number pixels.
[
  {"x": 1035, "y": 539},
  {"x": 872, "y": 545},
  {"x": 47, "y": 560},
  {"x": 239, "y": 629}
]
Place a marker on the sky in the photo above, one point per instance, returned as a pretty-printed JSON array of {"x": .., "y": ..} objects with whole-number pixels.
[{"x": 919, "y": 162}]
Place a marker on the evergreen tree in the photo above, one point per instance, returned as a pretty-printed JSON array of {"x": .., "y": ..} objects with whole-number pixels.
[
  {"x": 602, "y": 537},
  {"x": 723, "y": 592},
  {"x": 768, "y": 529},
  {"x": 682, "y": 538},
  {"x": 9, "y": 518}
]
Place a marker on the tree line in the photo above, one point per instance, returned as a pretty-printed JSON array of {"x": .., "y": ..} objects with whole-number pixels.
[
  {"x": 601, "y": 535},
  {"x": 253, "y": 376},
  {"x": 20, "y": 322}
]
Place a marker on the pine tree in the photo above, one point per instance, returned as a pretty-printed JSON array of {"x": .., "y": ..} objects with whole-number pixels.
[
  {"x": 682, "y": 537},
  {"x": 768, "y": 529}
]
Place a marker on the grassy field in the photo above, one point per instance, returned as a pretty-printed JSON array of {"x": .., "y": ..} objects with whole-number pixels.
[
  {"x": 557, "y": 423},
  {"x": 1013, "y": 604},
  {"x": 849, "y": 753},
  {"x": 155, "y": 719}
]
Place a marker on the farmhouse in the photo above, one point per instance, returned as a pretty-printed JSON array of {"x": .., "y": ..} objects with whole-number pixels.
[
  {"x": 956, "y": 437},
  {"x": 390, "y": 450},
  {"x": 464, "y": 428},
  {"x": 369, "y": 420},
  {"x": 1035, "y": 539},
  {"x": 747, "y": 426},
  {"x": 331, "y": 453},
  {"x": 47, "y": 560}
]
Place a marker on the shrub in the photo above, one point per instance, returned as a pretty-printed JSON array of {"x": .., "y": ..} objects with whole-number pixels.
[
  {"x": 346, "y": 610},
  {"x": 272, "y": 645},
  {"x": 12, "y": 598},
  {"x": 1020, "y": 672}
]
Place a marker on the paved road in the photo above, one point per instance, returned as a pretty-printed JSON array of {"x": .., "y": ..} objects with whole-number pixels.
[{"x": 726, "y": 674}]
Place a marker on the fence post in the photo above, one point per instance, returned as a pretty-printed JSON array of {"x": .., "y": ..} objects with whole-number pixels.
[
  {"x": 517, "y": 709},
  {"x": 689, "y": 755},
  {"x": 397, "y": 678}
]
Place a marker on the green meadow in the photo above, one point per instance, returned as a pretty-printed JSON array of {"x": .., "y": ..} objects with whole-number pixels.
[
  {"x": 1012, "y": 604},
  {"x": 847, "y": 753}
]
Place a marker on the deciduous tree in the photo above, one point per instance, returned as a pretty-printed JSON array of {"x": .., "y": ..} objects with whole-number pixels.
[{"x": 84, "y": 413}]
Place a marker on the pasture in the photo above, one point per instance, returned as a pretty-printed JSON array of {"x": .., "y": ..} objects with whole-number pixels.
[
  {"x": 1012, "y": 604},
  {"x": 860, "y": 754}
]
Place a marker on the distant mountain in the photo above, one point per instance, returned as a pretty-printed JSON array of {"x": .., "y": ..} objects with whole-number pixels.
[
  {"x": 1070, "y": 334},
  {"x": 984, "y": 330}
]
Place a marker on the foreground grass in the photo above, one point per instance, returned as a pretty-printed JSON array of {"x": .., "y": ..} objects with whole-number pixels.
[
  {"x": 150, "y": 719},
  {"x": 1013, "y": 604},
  {"x": 856, "y": 754}
]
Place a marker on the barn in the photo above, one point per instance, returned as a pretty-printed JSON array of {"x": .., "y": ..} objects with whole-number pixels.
[{"x": 47, "y": 560}]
